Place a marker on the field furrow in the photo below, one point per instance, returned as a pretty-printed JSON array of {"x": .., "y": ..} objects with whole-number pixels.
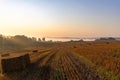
[{"x": 56, "y": 64}]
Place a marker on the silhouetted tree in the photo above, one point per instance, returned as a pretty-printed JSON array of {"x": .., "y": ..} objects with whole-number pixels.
[
  {"x": 1, "y": 39},
  {"x": 39, "y": 40},
  {"x": 34, "y": 39},
  {"x": 43, "y": 39}
]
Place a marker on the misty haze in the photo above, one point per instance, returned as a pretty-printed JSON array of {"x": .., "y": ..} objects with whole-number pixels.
[{"x": 59, "y": 40}]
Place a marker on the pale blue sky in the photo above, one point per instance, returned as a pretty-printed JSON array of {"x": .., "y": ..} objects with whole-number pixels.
[{"x": 79, "y": 18}]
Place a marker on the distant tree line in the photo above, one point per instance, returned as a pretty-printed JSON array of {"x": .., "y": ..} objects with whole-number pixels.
[
  {"x": 106, "y": 39},
  {"x": 20, "y": 41}
]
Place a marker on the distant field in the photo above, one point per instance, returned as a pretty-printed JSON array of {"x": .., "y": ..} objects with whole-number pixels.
[
  {"x": 106, "y": 57},
  {"x": 71, "y": 61}
]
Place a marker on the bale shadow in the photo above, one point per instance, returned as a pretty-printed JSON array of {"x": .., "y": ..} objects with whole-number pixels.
[{"x": 33, "y": 72}]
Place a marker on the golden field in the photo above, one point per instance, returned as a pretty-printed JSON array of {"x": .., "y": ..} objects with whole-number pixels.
[{"x": 70, "y": 61}]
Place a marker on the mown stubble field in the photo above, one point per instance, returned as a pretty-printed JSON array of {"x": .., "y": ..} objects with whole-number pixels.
[{"x": 72, "y": 61}]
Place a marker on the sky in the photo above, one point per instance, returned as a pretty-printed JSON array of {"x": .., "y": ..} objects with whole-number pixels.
[{"x": 60, "y": 18}]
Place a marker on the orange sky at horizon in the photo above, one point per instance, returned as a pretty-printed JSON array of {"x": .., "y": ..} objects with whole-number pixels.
[{"x": 60, "y": 18}]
